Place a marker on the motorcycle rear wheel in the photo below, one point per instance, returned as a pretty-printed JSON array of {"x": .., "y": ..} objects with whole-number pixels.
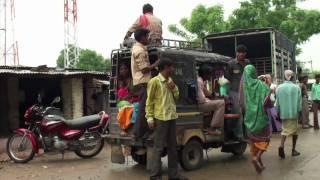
[
  {"x": 21, "y": 145},
  {"x": 91, "y": 153}
]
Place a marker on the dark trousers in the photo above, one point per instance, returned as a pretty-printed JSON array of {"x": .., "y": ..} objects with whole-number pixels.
[
  {"x": 236, "y": 127},
  {"x": 165, "y": 136},
  {"x": 141, "y": 125},
  {"x": 315, "y": 108}
]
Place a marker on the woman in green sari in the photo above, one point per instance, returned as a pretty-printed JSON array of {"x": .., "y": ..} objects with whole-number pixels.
[{"x": 255, "y": 93}]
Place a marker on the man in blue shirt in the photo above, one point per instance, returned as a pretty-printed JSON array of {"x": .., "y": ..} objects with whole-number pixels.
[{"x": 289, "y": 105}]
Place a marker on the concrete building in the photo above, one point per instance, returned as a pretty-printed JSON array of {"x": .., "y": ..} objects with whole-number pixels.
[{"x": 20, "y": 86}]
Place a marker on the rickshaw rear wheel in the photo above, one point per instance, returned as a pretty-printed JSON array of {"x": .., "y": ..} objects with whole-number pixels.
[
  {"x": 239, "y": 149},
  {"x": 191, "y": 155},
  {"x": 140, "y": 159}
]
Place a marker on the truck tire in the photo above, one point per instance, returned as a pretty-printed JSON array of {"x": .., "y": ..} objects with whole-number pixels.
[
  {"x": 140, "y": 159},
  {"x": 239, "y": 149},
  {"x": 191, "y": 155}
]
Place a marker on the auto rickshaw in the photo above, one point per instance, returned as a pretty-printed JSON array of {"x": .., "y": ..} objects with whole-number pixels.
[{"x": 192, "y": 140}]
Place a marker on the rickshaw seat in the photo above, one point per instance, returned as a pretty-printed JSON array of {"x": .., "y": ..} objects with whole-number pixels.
[{"x": 207, "y": 113}]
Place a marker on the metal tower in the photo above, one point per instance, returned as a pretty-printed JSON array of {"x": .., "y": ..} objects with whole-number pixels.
[
  {"x": 71, "y": 49},
  {"x": 8, "y": 45}
]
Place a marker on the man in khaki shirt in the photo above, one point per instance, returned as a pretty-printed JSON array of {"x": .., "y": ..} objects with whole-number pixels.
[
  {"x": 141, "y": 74},
  {"x": 150, "y": 22}
]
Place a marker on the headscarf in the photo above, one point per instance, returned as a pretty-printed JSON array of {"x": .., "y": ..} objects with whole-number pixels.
[
  {"x": 255, "y": 93},
  {"x": 288, "y": 74}
]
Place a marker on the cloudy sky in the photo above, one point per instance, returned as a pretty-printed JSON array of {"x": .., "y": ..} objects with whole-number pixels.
[{"x": 103, "y": 24}]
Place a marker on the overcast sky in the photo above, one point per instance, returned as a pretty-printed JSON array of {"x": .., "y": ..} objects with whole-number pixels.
[{"x": 103, "y": 24}]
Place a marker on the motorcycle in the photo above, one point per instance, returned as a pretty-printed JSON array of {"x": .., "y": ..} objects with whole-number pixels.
[{"x": 50, "y": 131}]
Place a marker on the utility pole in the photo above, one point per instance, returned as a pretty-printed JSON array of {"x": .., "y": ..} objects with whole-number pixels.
[
  {"x": 9, "y": 49},
  {"x": 71, "y": 49}
]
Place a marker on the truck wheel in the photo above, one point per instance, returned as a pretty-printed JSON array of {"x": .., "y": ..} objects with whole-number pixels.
[
  {"x": 140, "y": 159},
  {"x": 191, "y": 155},
  {"x": 239, "y": 149}
]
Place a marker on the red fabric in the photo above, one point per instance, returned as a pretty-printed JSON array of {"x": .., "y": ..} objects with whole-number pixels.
[
  {"x": 123, "y": 92},
  {"x": 144, "y": 21}
]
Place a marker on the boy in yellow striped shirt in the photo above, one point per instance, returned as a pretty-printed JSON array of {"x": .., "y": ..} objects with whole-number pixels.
[{"x": 161, "y": 115}]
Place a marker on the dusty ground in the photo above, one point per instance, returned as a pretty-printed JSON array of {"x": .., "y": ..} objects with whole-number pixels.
[{"x": 218, "y": 166}]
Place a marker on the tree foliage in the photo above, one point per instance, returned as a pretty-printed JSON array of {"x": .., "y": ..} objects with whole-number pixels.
[
  {"x": 284, "y": 15},
  {"x": 202, "y": 21},
  {"x": 88, "y": 60}
]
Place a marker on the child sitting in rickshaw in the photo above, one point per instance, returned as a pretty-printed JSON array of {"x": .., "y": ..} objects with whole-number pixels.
[{"x": 127, "y": 100}]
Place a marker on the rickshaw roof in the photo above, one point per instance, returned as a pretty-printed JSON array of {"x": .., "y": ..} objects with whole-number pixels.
[{"x": 198, "y": 56}]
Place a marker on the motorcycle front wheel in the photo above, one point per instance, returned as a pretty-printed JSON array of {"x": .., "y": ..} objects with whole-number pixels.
[
  {"x": 19, "y": 148},
  {"x": 92, "y": 151}
]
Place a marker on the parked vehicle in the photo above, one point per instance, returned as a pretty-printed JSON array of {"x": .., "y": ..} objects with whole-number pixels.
[
  {"x": 269, "y": 50},
  {"x": 53, "y": 133},
  {"x": 192, "y": 140}
]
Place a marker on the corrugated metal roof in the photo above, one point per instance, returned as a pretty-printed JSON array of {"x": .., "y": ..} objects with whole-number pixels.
[{"x": 31, "y": 71}]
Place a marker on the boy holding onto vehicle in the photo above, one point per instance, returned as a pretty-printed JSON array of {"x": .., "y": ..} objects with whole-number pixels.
[
  {"x": 161, "y": 115},
  {"x": 141, "y": 74},
  {"x": 234, "y": 74}
]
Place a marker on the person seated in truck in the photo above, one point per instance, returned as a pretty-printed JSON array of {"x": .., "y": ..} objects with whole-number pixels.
[
  {"x": 127, "y": 100},
  {"x": 125, "y": 87},
  {"x": 150, "y": 22},
  {"x": 206, "y": 102}
]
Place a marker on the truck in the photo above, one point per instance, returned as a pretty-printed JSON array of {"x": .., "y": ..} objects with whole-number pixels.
[
  {"x": 269, "y": 50},
  {"x": 192, "y": 139}
]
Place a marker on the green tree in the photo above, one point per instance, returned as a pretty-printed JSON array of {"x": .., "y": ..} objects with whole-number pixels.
[
  {"x": 203, "y": 20},
  {"x": 88, "y": 60},
  {"x": 284, "y": 15}
]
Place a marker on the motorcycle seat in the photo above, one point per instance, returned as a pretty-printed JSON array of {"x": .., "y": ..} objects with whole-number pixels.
[{"x": 83, "y": 122}]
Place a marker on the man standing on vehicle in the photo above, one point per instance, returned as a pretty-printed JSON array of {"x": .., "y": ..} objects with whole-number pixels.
[
  {"x": 207, "y": 104},
  {"x": 315, "y": 96},
  {"x": 289, "y": 105},
  {"x": 150, "y": 22},
  {"x": 141, "y": 74},
  {"x": 161, "y": 114},
  {"x": 234, "y": 75}
]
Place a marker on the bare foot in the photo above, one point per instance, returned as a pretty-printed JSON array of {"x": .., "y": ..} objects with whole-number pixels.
[
  {"x": 257, "y": 166},
  {"x": 123, "y": 133},
  {"x": 262, "y": 165}
]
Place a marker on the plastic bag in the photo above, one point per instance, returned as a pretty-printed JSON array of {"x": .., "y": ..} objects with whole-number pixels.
[{"x": 223, "y": 81}]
